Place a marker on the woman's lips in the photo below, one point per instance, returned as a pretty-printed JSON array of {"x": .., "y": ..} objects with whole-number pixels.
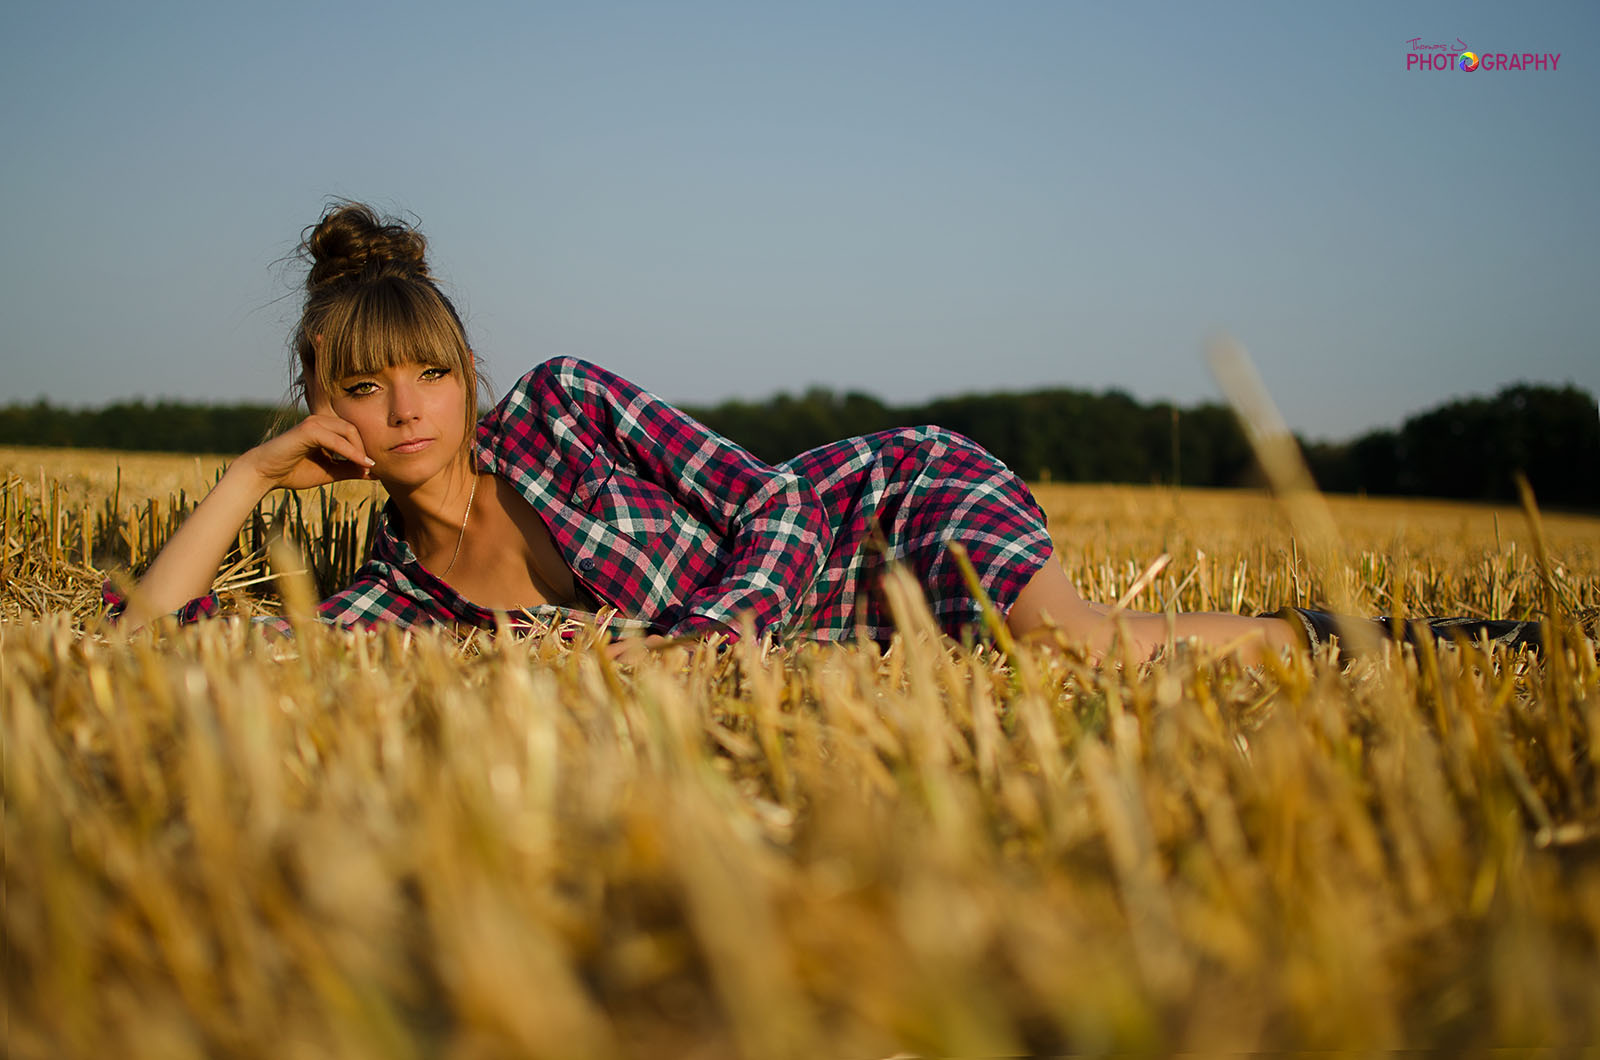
[{"x": 413, "y": 446}]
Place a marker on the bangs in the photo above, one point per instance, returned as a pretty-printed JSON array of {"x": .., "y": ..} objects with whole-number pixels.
[{"x": 387, "y": 324}]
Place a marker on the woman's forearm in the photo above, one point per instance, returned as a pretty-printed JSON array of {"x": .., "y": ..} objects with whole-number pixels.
[
  {"x": 1051, "y": 600},
  {"x": 187, "y": 565}
]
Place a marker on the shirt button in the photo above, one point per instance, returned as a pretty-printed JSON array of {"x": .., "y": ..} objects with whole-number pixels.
[{"x": 586, "y": 564}]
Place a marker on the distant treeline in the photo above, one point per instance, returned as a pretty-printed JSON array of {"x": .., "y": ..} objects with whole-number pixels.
[
  {"x": 166, "y": 426},
  {"x": 1473, "y": 448},
  {"x": 1060, "y": 435},
  {"x": 1468, "y": 449}
]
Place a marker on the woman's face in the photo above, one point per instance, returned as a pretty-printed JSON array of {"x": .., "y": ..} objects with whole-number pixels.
[{"x": 412, "y": 419}]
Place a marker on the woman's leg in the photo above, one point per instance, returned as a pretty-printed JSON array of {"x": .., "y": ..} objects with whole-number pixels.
[{"x": 1051, "y": 598}]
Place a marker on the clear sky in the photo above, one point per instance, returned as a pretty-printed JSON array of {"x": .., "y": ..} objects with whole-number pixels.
[{"x": 732, "y": 199}]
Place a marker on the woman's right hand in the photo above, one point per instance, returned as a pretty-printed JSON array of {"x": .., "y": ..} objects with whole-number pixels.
[{"x": 320, "y": 449}]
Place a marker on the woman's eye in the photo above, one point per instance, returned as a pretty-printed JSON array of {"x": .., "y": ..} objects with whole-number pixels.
[
  {"x": 435, "y": 373},
  {"x": 361, "y": 388}
]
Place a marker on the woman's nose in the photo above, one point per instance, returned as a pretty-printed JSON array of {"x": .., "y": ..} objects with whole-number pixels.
[{"x": 402, "y": 405}]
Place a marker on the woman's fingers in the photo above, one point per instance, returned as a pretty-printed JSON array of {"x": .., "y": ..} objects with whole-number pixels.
[
  {"x": 339, "y": 439},
  {"x": 638, "y": 649},
  {"x": 317, "y": 450},
  {"x": 329, "y": 441}
]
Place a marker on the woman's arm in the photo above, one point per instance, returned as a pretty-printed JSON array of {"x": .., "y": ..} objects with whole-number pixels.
[
  {"x": 1050, "y": 600},
  {"x": 318, "y": 450}
]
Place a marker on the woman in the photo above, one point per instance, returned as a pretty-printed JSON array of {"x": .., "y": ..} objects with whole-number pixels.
[{"x": 581, "y": 492}]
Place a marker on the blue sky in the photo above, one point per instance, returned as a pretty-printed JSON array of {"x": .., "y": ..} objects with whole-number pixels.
[{"x": 731, "y": 199}]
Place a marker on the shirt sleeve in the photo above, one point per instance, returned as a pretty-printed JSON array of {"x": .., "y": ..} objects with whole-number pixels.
[
  {"x": 372, "y": 599},
  {"x": 368, "y": 601},
  {"x": 771, "y": 519},
  {"x": 206, "y": 606}
]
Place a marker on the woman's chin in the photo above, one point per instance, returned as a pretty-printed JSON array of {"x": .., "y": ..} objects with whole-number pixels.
[{"x": 408, "y": 475}]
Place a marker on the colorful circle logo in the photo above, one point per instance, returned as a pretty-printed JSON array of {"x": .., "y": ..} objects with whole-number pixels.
[{"x": 1468, "y": 62}]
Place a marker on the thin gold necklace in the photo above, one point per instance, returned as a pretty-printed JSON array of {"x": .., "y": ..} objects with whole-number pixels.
[{"x": 462, "y": 536}]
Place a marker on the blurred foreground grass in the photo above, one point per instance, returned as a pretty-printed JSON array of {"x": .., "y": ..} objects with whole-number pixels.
[{"x": 394, "y": 844}]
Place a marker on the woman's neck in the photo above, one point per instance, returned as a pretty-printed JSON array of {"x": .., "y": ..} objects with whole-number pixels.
[{"x": 435, "y": 512}]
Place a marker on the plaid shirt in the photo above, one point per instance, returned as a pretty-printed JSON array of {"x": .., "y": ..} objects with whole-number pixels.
[{"x": 682, "y": 532}]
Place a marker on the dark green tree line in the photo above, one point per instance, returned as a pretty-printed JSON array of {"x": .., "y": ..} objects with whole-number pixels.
[
  {"x": 1470, "y": 448},
  {"x": 1473, "y": 448},
  {"x": 166, "y": 426}
]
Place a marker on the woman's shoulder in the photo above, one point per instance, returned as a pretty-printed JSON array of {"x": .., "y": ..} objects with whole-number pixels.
[
  {"x": 551, "y": 398},
  {"x": 563, "y": 373},
  {"x": 563, "y": 381},
  {"x": 564, "y": 368}
]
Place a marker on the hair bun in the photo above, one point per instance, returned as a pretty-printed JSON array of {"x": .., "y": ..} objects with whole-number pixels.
[{"x": 352, "y": 237}]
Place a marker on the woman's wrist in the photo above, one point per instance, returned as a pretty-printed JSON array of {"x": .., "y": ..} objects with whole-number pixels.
[{"x": 248, "y": 473}]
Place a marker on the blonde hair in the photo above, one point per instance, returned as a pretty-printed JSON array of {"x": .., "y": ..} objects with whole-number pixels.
[{"x": 371, "y": 303}]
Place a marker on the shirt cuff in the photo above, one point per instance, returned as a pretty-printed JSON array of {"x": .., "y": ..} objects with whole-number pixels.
[
  {"x": 206, "y": 606},
  {"x": 702, "y": 626}
]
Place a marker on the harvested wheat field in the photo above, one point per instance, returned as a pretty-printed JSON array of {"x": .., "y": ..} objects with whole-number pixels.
[{"x": 386, "y": 844}]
